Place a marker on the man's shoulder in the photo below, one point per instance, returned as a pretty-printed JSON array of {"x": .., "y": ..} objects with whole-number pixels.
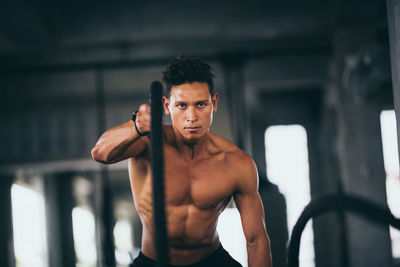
[
  {"x": 222, "y": 144},
  {"x": 241, "y": 166},
  {"x": 234, "y": 156},
  {"x": 240, "y": 161}
]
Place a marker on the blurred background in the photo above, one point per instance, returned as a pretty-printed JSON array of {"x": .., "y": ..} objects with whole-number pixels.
[{"x": 305, "y": 88}]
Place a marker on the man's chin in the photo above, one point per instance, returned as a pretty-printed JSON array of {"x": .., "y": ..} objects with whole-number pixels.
[
  {"x": 190, "y": 139},
  {"x": 193, "y": 138}
]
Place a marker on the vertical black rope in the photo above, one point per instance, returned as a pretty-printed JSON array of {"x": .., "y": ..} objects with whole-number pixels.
[
  {"x": 157, "y": 163},
  {"x": 104, "y": 202}
]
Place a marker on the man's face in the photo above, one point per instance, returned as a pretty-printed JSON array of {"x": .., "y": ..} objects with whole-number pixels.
[{"x": 191, "y": 108}]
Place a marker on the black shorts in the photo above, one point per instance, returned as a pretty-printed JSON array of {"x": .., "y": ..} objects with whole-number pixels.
[{"x": 220, "y": 258}]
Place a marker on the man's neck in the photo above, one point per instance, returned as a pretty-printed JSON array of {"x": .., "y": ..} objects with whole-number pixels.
[{"x": 191, "y": 150}]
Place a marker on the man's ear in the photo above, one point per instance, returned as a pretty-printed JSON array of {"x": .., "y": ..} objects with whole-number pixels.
[
  {"x": 165, "y": 102},
  {"x": 214, "y": 100}
]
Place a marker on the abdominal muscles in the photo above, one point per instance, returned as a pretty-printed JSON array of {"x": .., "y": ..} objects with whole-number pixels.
[
  {"x": 192, "y": 208},
  {"x": 191, "y": 227},
  {"x": 188, "y": 226},
  {"x": 191, "y": 232}
]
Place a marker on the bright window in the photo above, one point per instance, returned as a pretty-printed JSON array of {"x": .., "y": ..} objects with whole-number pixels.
[
  {"x": 28, "y": 214},
  {"x": 83, "y": 224},
  {"x": 288, "y": 168},
  {"x": 391, "y": 161},
  {"x": 231, "y": 234},
  {"x": 123, "y": 242}
]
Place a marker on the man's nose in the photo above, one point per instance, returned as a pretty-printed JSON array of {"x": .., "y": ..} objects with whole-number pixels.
[{"x": 191, "y": 114}]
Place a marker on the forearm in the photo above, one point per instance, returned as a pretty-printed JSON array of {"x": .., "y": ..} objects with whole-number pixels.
[
  {"x": 258, "y": 252},
  {"x": 114, "y": 142}
]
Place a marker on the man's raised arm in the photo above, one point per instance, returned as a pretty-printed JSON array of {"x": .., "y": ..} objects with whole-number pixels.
[
  {"x": 248, "y": 202},
  {"x": 124, "y": 141}
]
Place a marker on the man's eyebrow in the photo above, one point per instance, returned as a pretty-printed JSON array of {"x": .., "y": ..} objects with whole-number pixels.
[
  {"x": 197, "y": 102},
  {"x": 203, "y": 101}
]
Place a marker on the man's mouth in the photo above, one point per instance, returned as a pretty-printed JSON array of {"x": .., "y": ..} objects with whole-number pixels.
[{"x": 192, "y": 129}]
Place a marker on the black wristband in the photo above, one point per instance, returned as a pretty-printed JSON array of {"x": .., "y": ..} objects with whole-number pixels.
[{"x": 134, "y": 122}]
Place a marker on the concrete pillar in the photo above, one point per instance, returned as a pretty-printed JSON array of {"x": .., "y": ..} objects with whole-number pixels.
[
  {"x": 329, "y": 229},
  {"x": 276, "y": 222},
  {"x": 273, "y": 201},
  {"x": 233, "y": 64},
  {"x": 360, "y": 152},
  {"x": 363, "y": 174},
  {"x": 104, "y": 220},
  {"x": 7, "y": 258},
  {"x": 103, "y": 195},
  {"x": 59, "y": 205},
  {"x": 393, "y": 11}
]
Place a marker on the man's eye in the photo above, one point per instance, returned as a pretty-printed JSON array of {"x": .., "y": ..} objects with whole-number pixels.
[
  {"x": 201, "y": 105},
  {"x": 181, "y": 105}
]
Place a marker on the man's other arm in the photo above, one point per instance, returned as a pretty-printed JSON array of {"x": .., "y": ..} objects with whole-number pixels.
[
  {"x": 123, "y": 141},
  {"x": 251, "y": 211}
]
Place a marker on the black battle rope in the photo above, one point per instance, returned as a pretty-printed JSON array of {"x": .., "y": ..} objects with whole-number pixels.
[
  {"x": 338, "y": 202},
  {"x": 157, "y": 164}
]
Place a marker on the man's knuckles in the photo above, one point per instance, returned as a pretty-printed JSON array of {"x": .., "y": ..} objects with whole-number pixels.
[
  {"x": 144, "y": 108},
  {"x": 143, "y": 124},
  {"x": 143, "y": 118}
]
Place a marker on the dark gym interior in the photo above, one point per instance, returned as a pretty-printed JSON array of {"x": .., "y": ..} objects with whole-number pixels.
[{"x": 69, "y": 70}]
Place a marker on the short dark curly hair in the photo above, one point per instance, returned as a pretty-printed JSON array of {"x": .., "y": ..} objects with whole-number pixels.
[{"x": 187, "y": 69}]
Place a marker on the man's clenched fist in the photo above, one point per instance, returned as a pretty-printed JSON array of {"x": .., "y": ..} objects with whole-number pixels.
[{"x": 143, "y": 119}]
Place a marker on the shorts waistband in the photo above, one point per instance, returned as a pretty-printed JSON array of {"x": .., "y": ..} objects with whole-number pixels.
[{"x": 149, "y": 261}]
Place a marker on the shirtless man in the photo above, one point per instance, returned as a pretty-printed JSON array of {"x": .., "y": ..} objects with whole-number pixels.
[{"x": 203, "y": 171}]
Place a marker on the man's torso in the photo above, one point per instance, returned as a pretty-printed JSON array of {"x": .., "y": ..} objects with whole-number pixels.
[{"x": 196, "y": 191}]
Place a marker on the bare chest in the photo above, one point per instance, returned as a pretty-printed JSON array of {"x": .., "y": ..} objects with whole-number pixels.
[{"x": 206, "y": 184}]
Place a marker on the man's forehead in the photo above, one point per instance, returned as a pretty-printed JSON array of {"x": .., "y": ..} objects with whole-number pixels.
[
  {"x": 191, "y": 85},
  {"x": 190, "y": 90}
]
